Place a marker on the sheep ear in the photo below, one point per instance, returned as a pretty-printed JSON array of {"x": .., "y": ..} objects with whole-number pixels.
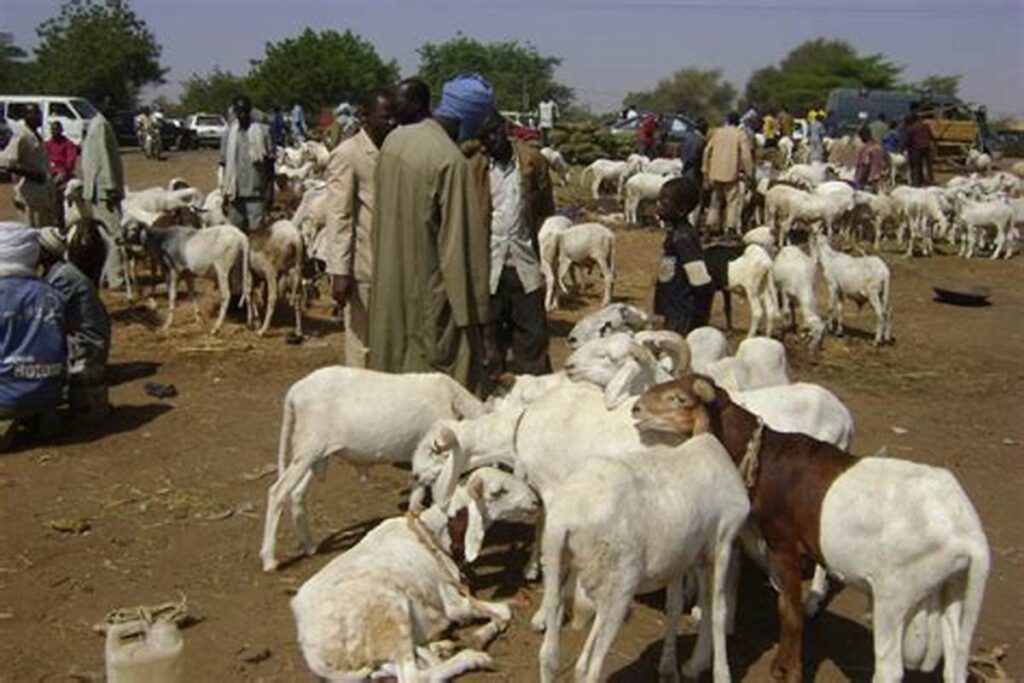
[
  {"x": 628, "y": 381},
  {"x": 475, "y": 489},
  {"x": 704, "y": 390},
  {"x": 475, "y": 529}
]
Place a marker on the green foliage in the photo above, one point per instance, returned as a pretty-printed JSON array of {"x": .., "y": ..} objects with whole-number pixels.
[
  {"x": 583, "y": 142},
  {"x": 521, "y": 76},
  {"x": 940, "y": 85},
  {"x": 694, "y": 92},
  {"x": 317, "y": 69},
  {"x": 211, "y": 93},
  {"x": 12, "y": 65},
  {"x": 98, "y": 49},
  {"x": 812, "y": 69}
]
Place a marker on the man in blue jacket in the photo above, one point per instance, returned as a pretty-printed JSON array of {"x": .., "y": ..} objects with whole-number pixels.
[{"x": 33, "y": 352}]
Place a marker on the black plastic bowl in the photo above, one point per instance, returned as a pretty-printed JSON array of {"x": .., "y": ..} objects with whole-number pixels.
[{"x": 960, "y": 295}]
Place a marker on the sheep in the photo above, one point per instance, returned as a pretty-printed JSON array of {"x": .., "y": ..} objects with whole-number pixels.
[
  {"x": 177, "y": 183},
  {"x": 187, "y": 252},
  {"x": 751, "y": 273},
  {"x": 612, "y": 318},
  {"x": 878, "y": 210},
  {"x": 759, "y": 362},
  {"x": 785, "y": 206},
  {"x": 974, "y": 216},
  {"x": 707, "y": 345},
  {"x": 1017, "y": 169},
  {"x": 904, "y": 532},
  {"x": 862, "y": 278},
  {"x": 700, "y": 503},
  {"x": 379, "y": 608},
  {"x": 292, "y": 178},
  {"x": 557, "y": 164},
  {"x": 785, "y": 152},
  {"x": 365, "y": 417},
  {"x": 794, "y": 272},
  {"x": 212, "y": 209},
  {"x": 585, "y": 244},
  {"x": 922, "y": 215},
  {"x": 551, "y": 226},
  {"x": 897, "y": 166},
  {"x": 160, "y": 200},
  {"x": 310, "y": 218},
  {"x": 663, "y": 167},
  {"x": 276, "y": 251},
  {"x": 978, "y": 160},
  {"x": 601, "y": 171},
  {"x": 806, "y": 174},
  {"x": 638, "y": 189}
]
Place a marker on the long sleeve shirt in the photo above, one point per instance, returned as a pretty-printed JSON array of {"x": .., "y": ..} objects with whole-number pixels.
[{"x": 63, "y": 156}]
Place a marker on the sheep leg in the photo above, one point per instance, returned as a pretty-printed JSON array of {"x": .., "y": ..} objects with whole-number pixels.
[
  {"x": 609, "y": 617},
  {"x": 595, "y": 187},
  {"x": 787, "y": 662},
  {"x": 876, "y": 304},
  {"x": 608, "y": 273},
  {"x": 755, "y": 314},
  {"x": 890, "y": 612},
  {"x": 1000, "y": 241},
  {"x": 727, "y": 302},
  {"x": 461, "y": 608},
  {"x": 190, "y": 286},
  {"x": 819, "y": 590},
  {"x": 297, "y": 303},
  {"x": 288, "y": 481},
  {"x": 532, "y": 570},
  {"x": 172, "y": 293},
  {"x": 673, "y": 612},
  {"x": 271, "y": 303},
  {"x": 466, "y": 660},
  {"x": 299, "y": 517},
  {"x": 224, "y": 285}
]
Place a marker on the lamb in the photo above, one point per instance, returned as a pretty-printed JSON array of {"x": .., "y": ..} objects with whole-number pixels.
[
  {"x": 611, "y": 318},
  {"x": 794, "y": 273},
  {"x": 380, "y": 608},
  {"x": 366, "y": 417},
  {"x": 638, "y": 189},
  {"x": 861, "y": 278},
  {"x": 700, "y": 503},
  {"x": 601, "y": 171},
  {"x": 188, "y": 252},
  {"x": 276, "y": 251},
  {"x": 749, "y": 272},
  {"x": 897, "y": 166},
  {"x": 974, "y": 216},
  {"x": 904, "y": 532},
  {"x": 707, "y": 345},
  {"x": 586, "y": 244},
  {"x": 557, "y": 164}
]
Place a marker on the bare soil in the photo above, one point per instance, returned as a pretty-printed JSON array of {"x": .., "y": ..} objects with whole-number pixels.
[{"x": 156, "y": 481}]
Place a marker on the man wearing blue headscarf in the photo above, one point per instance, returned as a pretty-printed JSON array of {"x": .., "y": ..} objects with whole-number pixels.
[{"x": 430, "y": 302}]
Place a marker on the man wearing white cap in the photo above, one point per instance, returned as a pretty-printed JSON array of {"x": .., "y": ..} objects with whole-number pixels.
[
  {"x": 430, "y": 298},
  {"x": 32, "y": 346}
]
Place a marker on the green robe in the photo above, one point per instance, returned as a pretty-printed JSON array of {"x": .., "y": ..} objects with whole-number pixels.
[{"x": 431, "y": 258}]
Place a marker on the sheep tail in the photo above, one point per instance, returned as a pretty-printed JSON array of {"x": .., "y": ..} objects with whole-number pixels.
[
  {"x": 974, "y": 590},
  {"x": 287, "y": 429}
]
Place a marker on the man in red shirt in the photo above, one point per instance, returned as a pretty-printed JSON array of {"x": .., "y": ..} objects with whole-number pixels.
[
  {"x": 869, "y": 161},
  {"x": 919, "y": 150},
  {"x": 63, "y": 155},
  {"x": 646, "y": 134}
]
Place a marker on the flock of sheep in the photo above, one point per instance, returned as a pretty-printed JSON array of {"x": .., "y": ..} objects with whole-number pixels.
[{"x": 642, "y": 425}]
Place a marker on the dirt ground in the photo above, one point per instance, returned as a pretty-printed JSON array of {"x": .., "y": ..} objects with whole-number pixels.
[{"x": 169, "y": 492}]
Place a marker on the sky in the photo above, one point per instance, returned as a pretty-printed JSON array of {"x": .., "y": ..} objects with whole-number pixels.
[{"x": 608, "y": 47}]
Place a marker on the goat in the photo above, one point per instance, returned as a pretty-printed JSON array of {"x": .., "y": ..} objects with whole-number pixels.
[{"x": 904, "y": 532}]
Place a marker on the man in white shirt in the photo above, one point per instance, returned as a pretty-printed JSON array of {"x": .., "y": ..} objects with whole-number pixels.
[
  {"x": 25, "y": 157},
  {"x": 520, "y": 198},
  {"x": 547, "y": 111}
]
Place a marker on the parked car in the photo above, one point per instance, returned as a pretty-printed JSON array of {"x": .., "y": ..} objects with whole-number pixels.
[
  {"x": 72, "y": 112},
  {"x": 207, "y": 128},
  {"x": 173, "y": 134},
  {"x": 670, "y": 130}
]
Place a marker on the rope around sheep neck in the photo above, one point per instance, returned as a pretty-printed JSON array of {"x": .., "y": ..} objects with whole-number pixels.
[{"x": 751, "y": 462}]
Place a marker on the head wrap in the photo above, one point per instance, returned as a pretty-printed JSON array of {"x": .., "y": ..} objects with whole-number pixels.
[
  {"x": 19, "y": 250},
  {"x": 466, "y": 98},
  {"x": 52, "y": 241}
]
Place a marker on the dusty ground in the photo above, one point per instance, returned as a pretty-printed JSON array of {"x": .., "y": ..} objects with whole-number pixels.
[{"x": 157, "y": 478}]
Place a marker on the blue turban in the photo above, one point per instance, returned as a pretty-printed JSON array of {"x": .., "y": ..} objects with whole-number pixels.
[{"x": 466, "y": 98}]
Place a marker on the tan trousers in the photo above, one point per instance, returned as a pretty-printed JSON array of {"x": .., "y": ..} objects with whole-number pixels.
[
  {"x": 728, "y": 194},
  {"x": 357, "y": 325}
]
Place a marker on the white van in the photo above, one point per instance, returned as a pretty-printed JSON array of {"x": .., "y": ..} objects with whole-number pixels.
[{"x": 73, "y": 112}]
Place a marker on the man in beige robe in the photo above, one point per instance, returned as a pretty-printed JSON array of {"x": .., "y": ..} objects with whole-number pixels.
[
  {"x": 103, "y": 188},
  {"x": 727, "y": 155},
  {"x": 430, "y": 297},
  {"x": 25, "y": 157},
  {"x": 349, "y": 176}
]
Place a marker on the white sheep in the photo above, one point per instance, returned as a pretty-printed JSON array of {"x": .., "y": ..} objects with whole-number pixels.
[
  {"x": 922, "y": 216},
  {"x": 808, "y": 175},
  {"x": 979, "y": 160},
  {"x": 601, "y": 171},
  {"x": 794, "y": 274},
  {"x": 276, "y": 252},
  {"x": 640, "y": 188},
  {"x": 700, "y": 503},
  {"x": 785, "y": 152},
  {"x": 974, "y": 216},
  {"x": 162, "y": 200},
  {"x": 878, "y": 210},
  {"x": 366, "y": 417},
  {"x": 380, "y": 608},
  {"x": 663, "y": 167},
  {"x": 785, "y": 206},
  {"x": 557, "y": 164},
  {"x": 212, "y": 208},
  {"x": 759, "y": 362},
  {"x": 584, "y": 245},
  {"x": 861, "y": 278},
  {"x": 707, "y": 345},
  {"x": 751, "y": 273},
  {"x": 612, "y": 318},
  {"x": 802, "y": 407},
  {"x": 310, "y": 218}
]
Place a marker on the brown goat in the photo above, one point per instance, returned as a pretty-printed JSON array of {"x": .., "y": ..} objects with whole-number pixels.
[{"x": 788, "y": 476}]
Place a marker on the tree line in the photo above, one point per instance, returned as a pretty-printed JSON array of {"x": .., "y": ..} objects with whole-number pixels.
[{"x": 102, "y": 50}]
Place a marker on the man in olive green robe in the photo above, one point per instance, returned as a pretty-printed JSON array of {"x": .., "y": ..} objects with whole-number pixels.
[{"x": 430, "y": 294}]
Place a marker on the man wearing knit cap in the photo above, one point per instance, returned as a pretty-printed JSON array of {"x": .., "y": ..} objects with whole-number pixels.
[
  {"x": 429, "y": 309},
  {"x": 86, "y": 319},
  {"x": 32, "y": 347}
]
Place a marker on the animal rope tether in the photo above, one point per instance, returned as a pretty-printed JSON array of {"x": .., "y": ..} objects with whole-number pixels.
[
  {"x": 424, "y": 536},
  {"x": 750, "y": 463}
]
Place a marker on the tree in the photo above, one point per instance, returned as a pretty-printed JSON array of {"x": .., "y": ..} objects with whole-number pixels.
[
  {"x": 812, "y": 69},
  {"x": 211, "y": 93},
  {"x": 695, "y": 92},
  {"x": 97, "y": 49},
  {"x": 318, "y": 69},
  {"x": 940, "y": 85},
  {"x": 521, "y": 76},
  {"x": 12, "y": 64}
]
